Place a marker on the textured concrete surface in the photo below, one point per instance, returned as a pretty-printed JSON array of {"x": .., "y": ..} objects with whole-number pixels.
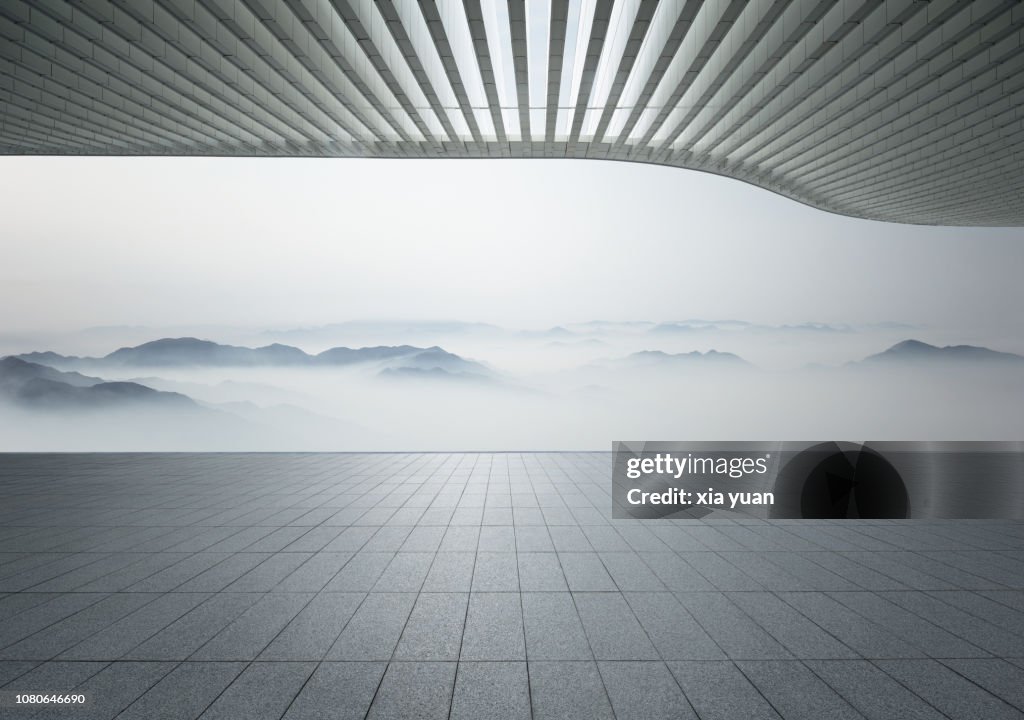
[
  {"x": 480, "y": 586},
  {"x": 901, "y": 110}
]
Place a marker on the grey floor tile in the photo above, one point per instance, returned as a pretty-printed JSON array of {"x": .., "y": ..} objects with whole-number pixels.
[
  {"x": 223, "y": 573},
  {"x": 360, "y": 573},
  {"x": 569, "y": 538},
  {"x": 68, "y": 632},
  {"x": 719, "y": 691},
  {"x": 387, "y": 539},
  {"x": 43, "y": 615},
  {"x": 495, "y": 572},
  {"x": 868, "y": 639},
  {"x": 585, "y": 572},
  {"x": 112, "y": 690},
  {"x": 731, "y": 629},
  {"x": 644, "y": 691},
  {"x": 860, "y": 575},
  {"x": 674, "y": 632},
  {"x": 1002, "y": 679},
  {"x": 351, "y": 539},
  {"x": 263, "y": 691},
  {"x": 796, "y": 692},
  {"x": 185, "y": 692},
  {"x": 236, "y": 542},
  {"x": 812, "y": 575},
  {"x": 871, "y": 692},
  {"x": 85, "y": 574},
  {"x": 640, "y": 538},
  {"x": 450, "y": 572},
  {"x": 998, "y": 640},
  {"x": 758, "y": 567},
  {"x": 314, "y": 540},
  {"x": 147, "y": 566},
  {"x": 314, "y": 573},
  {"x": 115, "y": 640},
  {"x": 312, "y": 632},
  {"x": 604, "y": 538},
  {"x": 675, "y": 573},
  {"x": 540, "y": 572},
  {"x": 12, "y": 669},
  {"x": 797, "y": 634},
  {"x": 1011, "y": 598},
  {"x": 405, "y": 573},
  {"x": 423, "y": 539},
  {"x": 497, "y": 516},
  {"x": 179, "y": 573},
  {"x": 246, "y": 636},
  {"x": 52, "y": 676},
  {"x": 985, "y": 608},
  {"x": 553, "y": 628},
  {"x": 721, "y": 573},
  {"x": 460, "y": 539},
  {"x": 193, "y": 630},
  {"x": 946, "y": 690},
  {"x": 414, "y": 690},
  {"x": 491, "y": 691},
  {"x": 374, "y": 630},
  {"x": 629, "y": 572},
  {"x": 887, "y": 565},
  {"x": 338, "y": 691},
  {"x": 533, "y": 538},
  {"x": 568, "y": 691},
  {"x": 696, "y": 593},
  {"x": 494, "y": 628},
  {"x": 268, "y": 573},
  {"x": 931, "y": 639},
  {"x": 17, "y": 603},
  {"x": 434, "y": 629},
  {"x": 278, "y": 540},
  {"x": 612, "y": 629}
]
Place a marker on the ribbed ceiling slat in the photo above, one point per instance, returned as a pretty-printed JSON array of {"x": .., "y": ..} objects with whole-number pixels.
[{"x": 896, "y": 110}]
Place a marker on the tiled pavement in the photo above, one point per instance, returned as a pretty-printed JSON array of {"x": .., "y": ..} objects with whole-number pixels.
[{"x": 480, "y": 586}]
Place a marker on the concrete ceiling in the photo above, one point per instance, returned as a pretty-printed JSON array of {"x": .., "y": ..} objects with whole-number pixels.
[{"x": 903, "y": 110}]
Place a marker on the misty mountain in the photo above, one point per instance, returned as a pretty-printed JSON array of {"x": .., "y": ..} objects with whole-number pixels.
[
  {"x": 170, "y": 352},
  {"x": 193, "y": 352},
  {"x": 679, "y": 327},
  {"x": 16, "y": 371},
  {"x": 435, "y": 358},
  {"x": 557, "y": 331},
  {"x": 52, "y": 359},
  {"x": 915, "y": 352},
  {"x": 712, "y": 358},
  {"x": 610, "y": 327},
  {"x": 812, "y": 327},
  {"x": 434, "y": 373},
  {"x": 37, "y": 386},
  {"x": 660, "y": 360}
]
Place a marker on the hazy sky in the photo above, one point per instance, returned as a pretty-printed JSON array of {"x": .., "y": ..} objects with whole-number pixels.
[{"x": 526, "y": 243}]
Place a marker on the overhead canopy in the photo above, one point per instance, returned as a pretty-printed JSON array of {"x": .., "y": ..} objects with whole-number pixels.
[{"x": 896, "y": 110}]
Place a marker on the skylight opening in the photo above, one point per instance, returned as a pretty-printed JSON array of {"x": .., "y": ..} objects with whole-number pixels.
[
  {"x": 619, "y": 26},
  {"x": 538, "y": 34},
  {"x": 499, "y": 44},
  {"x": 577, "y": 38}
]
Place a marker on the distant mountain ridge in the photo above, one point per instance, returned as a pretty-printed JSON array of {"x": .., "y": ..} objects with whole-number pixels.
[
  {"x": 41, "y": 387},
  {"x": 709, "y": 357},
  {"x": 193, "y": 352},
  {"x": 915, "y": 351},
  {"x": 661, "y": 360}
]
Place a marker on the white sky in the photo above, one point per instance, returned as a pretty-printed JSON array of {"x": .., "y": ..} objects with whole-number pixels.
[{"x": 523, "y": 243}]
